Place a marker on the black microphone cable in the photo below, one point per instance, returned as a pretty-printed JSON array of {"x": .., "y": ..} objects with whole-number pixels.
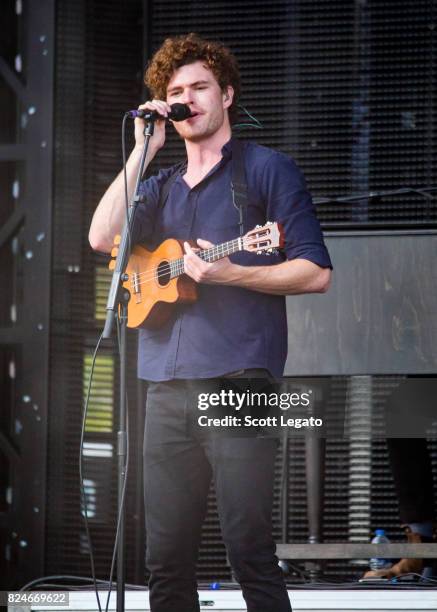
[
  {"x": 81, "y": 478},
  {"x": 126, "y": 195},
  {"x": 81, "y": 467},
  {"x": 123, "y": 493},
  {"x": 83, "y": 492},
  {"x": 126, "y": 469}
]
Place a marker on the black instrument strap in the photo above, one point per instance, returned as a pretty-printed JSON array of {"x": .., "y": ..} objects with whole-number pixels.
[
  {"x": 238, "y": 181},
  {"x": 165, "y": 189}
]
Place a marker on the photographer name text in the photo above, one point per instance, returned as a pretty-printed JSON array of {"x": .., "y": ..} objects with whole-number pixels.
[{"x": 249, "y": 421}]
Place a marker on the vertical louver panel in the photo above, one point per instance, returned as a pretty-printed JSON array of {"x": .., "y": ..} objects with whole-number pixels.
[
  {"x": 346, "y": 88},
  {"x": 98, "y": 77}
]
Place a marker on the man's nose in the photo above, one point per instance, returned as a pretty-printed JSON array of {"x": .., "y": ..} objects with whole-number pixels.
[{"x": 187, "y": 96}]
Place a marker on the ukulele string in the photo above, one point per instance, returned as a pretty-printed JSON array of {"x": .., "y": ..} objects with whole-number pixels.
[
  {"x": 176, "y": 264},
  {"x": 177, "y": 270},
  {"x": 218, "y": 252},
  {"x": 213, "y": 251}
]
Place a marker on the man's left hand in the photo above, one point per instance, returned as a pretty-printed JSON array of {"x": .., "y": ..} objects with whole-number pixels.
[{"x": 219, "y": 272}]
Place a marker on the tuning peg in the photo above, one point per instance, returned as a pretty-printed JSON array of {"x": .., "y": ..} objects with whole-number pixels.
[
  {"x": 257, "y": 226},
  {"x": 258, "y": 252},
  {"x": 269, "y": 251},
  {"x": 117, "y": 239},
  {"x": 111, "y": 265},
  {"x": 114, "y": 252},
  {"x": 269, "y": 223}
]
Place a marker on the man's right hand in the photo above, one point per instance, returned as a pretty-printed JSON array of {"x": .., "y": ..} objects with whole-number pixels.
[
  {"x": 110, "y": 214},
  {"x": 158, "y": 138}
]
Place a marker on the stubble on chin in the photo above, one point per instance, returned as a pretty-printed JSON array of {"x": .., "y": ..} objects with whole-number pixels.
[
  {"x": 197, "y": 135},
  {"x": 192, "y": 136}
]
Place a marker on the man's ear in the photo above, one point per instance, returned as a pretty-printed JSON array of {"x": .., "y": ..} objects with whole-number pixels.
[{"x": 228, "y": 96}]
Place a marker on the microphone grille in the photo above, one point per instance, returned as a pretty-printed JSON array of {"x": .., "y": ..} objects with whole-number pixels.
[{"x": 179, "y": 112}]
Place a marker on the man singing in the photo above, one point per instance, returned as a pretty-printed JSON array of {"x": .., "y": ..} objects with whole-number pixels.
[{"x": 237, "y": 327}]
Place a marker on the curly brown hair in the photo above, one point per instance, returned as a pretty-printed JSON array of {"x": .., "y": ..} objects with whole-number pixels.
[{"x": 181, "y": 50}]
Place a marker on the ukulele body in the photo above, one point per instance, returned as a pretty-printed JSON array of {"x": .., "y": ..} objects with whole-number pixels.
[
  {"x": 153, "y": 294},
  {"x": 156, "y": 281}
]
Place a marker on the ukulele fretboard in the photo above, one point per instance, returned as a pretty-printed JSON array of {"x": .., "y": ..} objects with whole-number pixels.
[{"x": 213, "y": 254}]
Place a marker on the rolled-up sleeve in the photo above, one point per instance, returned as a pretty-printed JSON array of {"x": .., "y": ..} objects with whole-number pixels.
[{"x": 290, "y": 203}]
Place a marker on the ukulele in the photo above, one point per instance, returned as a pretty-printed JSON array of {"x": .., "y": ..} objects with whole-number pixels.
[{"x": 156, "y": 280}]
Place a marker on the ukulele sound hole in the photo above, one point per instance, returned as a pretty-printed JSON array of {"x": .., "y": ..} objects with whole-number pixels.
[{"x": 163, "y": 273}]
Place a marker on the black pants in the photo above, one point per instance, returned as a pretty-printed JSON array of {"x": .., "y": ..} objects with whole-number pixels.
[
  {"x": 412, "y": 406},
  {"x": 180, "y": 459}
]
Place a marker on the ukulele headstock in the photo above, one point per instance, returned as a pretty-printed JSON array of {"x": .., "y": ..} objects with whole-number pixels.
[{"x": 264, "y": 238}]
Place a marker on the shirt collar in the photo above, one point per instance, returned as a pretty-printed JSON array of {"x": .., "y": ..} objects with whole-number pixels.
[
  {"x": 226, "y": 152},
  {"x": 227, "y": 148}
]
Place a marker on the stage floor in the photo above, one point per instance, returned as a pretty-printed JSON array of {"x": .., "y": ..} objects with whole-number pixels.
[{"x": 318, "y": 600}]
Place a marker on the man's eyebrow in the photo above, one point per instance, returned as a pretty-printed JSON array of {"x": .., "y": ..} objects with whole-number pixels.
[{"x": 176, "y": 87}]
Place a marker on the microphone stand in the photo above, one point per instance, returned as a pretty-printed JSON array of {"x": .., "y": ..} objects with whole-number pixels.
[{"x": 118, "y": 299}]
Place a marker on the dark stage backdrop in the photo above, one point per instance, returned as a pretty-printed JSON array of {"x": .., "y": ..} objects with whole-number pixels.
[{"x": 347, "y": 89}]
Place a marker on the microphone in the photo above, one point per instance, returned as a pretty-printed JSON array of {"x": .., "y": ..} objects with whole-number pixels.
[{"x": 179, "y": 112}]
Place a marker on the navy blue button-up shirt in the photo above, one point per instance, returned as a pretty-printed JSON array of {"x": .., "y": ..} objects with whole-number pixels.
[{"x": 228, "y": 328}]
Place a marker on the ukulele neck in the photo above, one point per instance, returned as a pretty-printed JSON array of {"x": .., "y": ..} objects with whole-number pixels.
[{"x": 214, "y": 253}]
